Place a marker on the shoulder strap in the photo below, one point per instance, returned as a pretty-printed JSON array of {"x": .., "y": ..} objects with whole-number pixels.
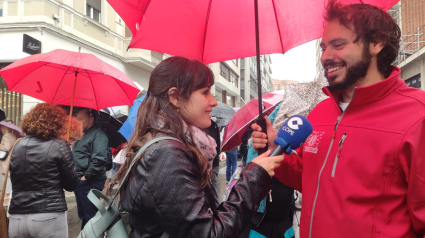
[
  {"x": 3, "y": 191},
  {"x": 139, "y": 152}
]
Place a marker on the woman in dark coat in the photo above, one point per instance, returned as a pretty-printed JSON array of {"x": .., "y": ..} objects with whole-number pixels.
[
  {"x": 168, "y": 190},
  {"x": 41, "y": 167}
]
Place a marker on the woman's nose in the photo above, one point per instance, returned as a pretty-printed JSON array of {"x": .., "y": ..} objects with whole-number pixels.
[{"x": 213, "y": 102}]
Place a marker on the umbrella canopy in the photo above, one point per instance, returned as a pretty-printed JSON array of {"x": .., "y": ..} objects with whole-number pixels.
[
  {"x": 223, "y": 113},
  {"x": 11, "y": 126},
  {"x": 51, "y": 77},
  {"x": 107, "y": 123},
  {"x": 219, "y": 30},
  {"x": 244, "y": 117},
  {"x": 128, "y": 127}
]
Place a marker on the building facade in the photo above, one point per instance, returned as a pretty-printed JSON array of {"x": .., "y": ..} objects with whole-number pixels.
[
  {"x": 92, "y": 25},
  {"x": 411, "y": 59},
  {"x": 236, "y": 80}
]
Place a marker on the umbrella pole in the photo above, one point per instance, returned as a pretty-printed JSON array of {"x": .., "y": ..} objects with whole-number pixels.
[
  {"x": 260, "y": 121},
  {"x": 72, "y": 106}
]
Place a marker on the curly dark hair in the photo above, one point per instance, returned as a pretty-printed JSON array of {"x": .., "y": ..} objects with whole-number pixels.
[
  {"x": 45, "y": 121},
  {"x": 372, "y": 25}
]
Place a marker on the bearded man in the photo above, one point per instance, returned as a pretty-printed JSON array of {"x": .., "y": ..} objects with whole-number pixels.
[{"x": 362, "y": 171}]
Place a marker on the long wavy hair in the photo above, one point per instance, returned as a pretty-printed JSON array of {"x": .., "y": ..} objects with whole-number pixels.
[
  {"x": 372, "y": 25},
  {"x": 187, "y": 76}
]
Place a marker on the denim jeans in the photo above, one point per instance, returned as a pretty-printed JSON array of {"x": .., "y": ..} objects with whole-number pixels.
[
  {"x": 86, "y": 209},
  {"x": 231, "y": 162}
]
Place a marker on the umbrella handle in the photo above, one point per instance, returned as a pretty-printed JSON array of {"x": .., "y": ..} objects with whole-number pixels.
[
  {"x": 262, "y": 123},
  {"x": 72, "y": 106}
]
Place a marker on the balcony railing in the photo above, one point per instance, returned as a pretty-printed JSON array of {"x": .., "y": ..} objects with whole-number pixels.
[{"x": 411, "y": 44}]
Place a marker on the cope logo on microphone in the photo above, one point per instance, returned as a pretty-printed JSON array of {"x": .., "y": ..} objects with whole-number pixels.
[{"x": 294, "y": 123}]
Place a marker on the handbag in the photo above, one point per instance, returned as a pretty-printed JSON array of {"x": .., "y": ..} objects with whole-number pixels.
[
  {"x": 108, "y": 221},
  {"x": 3, "y": 217}
]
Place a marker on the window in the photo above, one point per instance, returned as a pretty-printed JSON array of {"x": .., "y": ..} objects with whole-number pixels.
[
  {"x": 242, "y": 94},
  {"x": 234, "y": 79},
  {"x": 231, "y": 100},
  {"x": 218, "y": 94},
  {"x": 253, "y": 65},
  {"x": 253, "y": 83},
  {"x": 242, "y": 74},
  {"x": 235, "y": 61},
  {"x": 414, "y": 82},
  {"x": 93, "y": 9},
  {"x": 224, "y": 71},
  {"x": 228, "y": 74},
  {"x": 156, "y": 57},
  {"x": 242, "y": 63}
]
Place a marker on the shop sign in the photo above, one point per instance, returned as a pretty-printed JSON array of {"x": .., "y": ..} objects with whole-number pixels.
[{"x": 31, "y": 45}]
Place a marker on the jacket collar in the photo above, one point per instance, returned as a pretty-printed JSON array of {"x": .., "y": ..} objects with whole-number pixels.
[
  {"x": 90, "y": 129},
  {"x": 371, "y": 93}
]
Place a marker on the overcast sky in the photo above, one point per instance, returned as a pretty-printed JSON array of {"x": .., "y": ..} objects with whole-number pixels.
[{"x": 297, "y": 64}]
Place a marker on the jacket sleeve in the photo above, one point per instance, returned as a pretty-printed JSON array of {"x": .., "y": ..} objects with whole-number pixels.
[
  {"x": 69, "y": 177},
  {"x": 412, "y": 160},
  {"x": 183, "y": 209},
  {"x": 98, "y": 155},
  {"x": 291, "y": 169}
]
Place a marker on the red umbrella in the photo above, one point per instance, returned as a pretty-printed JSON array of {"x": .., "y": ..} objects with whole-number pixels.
[
  {"x": 245, "y": 116},
  {"x": 70, "y": 78},
  {"x": 219, "y": 30}
]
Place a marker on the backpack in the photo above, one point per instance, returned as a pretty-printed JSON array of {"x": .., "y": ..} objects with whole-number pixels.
[{"x": 108, "y": 162}]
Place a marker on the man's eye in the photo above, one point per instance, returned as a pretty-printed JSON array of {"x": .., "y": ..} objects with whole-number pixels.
[{"x": 339, "y": 46}]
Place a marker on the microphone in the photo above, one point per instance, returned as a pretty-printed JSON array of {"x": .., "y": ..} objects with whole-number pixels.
[{"x": 292, "y": 135}]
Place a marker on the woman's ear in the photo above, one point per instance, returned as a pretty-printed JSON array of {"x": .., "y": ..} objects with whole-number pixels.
[{"x": 174, "y": 97}]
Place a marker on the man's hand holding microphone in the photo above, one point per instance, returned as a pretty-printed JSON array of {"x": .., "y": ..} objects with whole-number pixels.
[{"x": 291, "y": 136}]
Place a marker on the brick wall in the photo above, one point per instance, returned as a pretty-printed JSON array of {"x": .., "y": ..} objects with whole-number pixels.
[{"x": 412, "y": 17}]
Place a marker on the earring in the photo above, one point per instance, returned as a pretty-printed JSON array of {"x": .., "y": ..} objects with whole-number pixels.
[{"x": 178, "y": 109}]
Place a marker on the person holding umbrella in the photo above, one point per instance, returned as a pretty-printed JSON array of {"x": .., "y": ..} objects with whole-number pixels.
[
  {"x": 361, "y": 171},
  {"x": 90, "y": 159},
  {"x": 41, "y": 167},
  {"x": 168, "y": 189}
]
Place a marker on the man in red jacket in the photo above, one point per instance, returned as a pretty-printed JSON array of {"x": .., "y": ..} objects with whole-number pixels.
[{"x": 362, "y": 171}]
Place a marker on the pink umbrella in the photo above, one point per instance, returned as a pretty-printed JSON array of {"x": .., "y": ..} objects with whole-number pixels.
[
  {"x": 70, "y": 78},
  {"x": 244, "y": 117},
  {"x": 212, "y": 31}
]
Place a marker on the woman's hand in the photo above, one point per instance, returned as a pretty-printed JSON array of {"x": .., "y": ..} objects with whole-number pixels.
[
  {"x": 260, "y": 139},
  {"x": 268, "y": 163}
]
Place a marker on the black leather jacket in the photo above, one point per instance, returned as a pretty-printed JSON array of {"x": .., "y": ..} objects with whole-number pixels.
[
  {"x": 39, "y": 171},
  {"x": 164, "y": 194}
]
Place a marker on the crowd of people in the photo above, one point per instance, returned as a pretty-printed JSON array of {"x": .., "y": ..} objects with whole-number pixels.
[{"x": 361, "y": 171}]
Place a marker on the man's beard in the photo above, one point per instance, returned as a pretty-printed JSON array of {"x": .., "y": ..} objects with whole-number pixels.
[{"x": 354, "y": 72}]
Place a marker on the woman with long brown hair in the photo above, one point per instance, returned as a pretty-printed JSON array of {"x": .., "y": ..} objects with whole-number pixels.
[{"x": 168, "y": 191}]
